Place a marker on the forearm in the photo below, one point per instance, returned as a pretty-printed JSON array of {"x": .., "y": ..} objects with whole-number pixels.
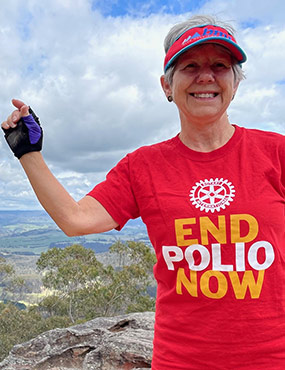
[
  {"x": 24, "y": 135},
  {"x": 63, "y": 209}
]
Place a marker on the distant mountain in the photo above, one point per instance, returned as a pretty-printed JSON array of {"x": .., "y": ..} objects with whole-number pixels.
[
  {"x": 32, "y": 232},
  {"x": 22, "y": 216}
]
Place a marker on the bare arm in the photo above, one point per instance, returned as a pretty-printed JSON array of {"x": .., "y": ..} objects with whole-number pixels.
[{"x": 75, "y": 218}]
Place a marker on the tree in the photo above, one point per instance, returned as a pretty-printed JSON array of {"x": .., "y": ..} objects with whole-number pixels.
[
  {"x": 84, "y": 288},
  {"x": 6, "y": 270},
  {"x": 11, "y": 284},
  {"x": 135, "y": 271},
  {"x": 68, "y": 271},
  {"x": 18, "y": 326}
]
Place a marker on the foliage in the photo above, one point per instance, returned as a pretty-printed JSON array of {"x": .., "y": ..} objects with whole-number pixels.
[
  {"x": 17, "y": 326},
  {"x": 68, "y": 269},
  {"x": 6, "y": 270},
  {"x": 11, "y": 285},
  {"x": 84, "y": 288},
  {"x": 134, "y": 276}
]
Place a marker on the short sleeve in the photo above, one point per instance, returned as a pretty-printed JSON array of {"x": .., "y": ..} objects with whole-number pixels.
[
  {"x": 116, "y": 194},
  {"x": 282, "y": 161}
]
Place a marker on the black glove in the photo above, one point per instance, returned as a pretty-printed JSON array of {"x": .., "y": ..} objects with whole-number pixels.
[{"x": 26, "y": 137}]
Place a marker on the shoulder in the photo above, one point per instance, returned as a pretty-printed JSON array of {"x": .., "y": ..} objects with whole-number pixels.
[
  {"x": 262, "y": 135},
  {"x": 264, "y": 147},
  {"x": 157, "y": 149},
  {"x": 264, "y": 140}
]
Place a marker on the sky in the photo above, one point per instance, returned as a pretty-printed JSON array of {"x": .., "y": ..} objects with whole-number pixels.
[{"x": 91, "y": 69}]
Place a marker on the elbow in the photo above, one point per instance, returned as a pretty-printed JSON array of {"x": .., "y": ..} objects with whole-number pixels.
[
  {"x": 78, "y": 230},
  {"x": 72, "y": 226},
  {"x": 70, "y": 232},
  {"x": 70, "y": 229}
]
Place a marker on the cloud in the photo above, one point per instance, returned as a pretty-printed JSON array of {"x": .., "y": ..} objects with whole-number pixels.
[
  {"x": 251, "y": 12},
  {"x": 94, "y": 81}
]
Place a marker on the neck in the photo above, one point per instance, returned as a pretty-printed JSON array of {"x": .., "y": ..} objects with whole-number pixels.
[{"x": 207, "y": 136}]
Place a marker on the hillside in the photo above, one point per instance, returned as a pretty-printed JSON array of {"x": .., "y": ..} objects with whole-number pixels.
[
  {"x": 24, "y": 235},
  {"x": 33, "y": 232}
]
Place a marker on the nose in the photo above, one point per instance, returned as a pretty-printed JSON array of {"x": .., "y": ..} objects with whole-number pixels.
[{"x": 205, "y": 75}]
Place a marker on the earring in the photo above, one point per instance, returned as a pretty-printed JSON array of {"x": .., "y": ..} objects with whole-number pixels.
[{"x": 169, "y": 98}]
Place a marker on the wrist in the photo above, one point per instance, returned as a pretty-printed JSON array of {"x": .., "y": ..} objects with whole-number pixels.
[{"x": 31, "y": 157}]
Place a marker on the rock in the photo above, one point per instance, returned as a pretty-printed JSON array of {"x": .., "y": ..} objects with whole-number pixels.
[{"x": 105, "y": 343}]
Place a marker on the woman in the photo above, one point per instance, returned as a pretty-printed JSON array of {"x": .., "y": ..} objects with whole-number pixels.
[{"x": 213, "y": 201}]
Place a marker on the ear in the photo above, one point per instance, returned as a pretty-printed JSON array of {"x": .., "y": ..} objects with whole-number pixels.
[
  {"x": 165, "y": 86},
  {"x": 236, "y": 85}
]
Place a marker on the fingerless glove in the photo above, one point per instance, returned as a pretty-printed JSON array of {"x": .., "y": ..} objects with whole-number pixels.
[{"x": 26, "y": 137}]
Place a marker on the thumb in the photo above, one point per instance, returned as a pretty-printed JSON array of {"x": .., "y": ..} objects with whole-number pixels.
[
  {"x": 21, "y": 106},
  {"x": 17, "y": 103},
  {"x": 24, "y": 110}
]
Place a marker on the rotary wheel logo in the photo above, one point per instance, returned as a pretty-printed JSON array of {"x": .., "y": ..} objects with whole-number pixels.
[{"x": 212, "y": 195}]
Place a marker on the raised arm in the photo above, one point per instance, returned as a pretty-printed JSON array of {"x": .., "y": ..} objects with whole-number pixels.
[{"x": 87, "y": 216}]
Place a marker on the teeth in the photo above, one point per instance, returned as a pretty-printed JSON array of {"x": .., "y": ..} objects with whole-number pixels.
[{"x": 207, "y": 95}]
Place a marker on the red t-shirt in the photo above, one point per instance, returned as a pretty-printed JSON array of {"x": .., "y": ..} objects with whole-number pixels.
[{"x": 216, "y": 222}]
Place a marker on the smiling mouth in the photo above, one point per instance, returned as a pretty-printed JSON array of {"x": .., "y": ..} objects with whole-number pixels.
[{"x": 204, "y": 95}]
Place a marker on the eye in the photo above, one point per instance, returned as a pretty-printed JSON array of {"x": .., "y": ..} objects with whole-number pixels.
[
  {"x": 219, "y": 66},
  {"x": 191, "y": 66}
]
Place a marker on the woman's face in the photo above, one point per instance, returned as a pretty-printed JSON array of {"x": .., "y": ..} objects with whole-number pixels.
[{"x": 203, "y": 84}]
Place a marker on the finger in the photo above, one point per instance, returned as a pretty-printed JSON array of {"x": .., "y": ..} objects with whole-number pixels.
[
  {"x": 17, "y": 103},
  {"x": 5, "y": 125},
  {"x": 12, "y": 120},
  {"x": 24, "y": 110},
  {"x": 17, "y": 115}
]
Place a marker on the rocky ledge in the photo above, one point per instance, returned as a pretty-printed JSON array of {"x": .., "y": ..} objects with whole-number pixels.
[{"x": 105, "y": 343}]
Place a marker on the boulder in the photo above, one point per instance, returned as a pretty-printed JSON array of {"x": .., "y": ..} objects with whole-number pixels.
[{"x": 105, "y": 343}]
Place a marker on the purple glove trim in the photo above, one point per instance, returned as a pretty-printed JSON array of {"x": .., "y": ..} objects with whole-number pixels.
[{"x": 33, "y": 128}]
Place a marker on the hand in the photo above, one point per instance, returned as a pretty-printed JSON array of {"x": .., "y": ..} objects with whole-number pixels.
[{"x": 23, "y": 131}]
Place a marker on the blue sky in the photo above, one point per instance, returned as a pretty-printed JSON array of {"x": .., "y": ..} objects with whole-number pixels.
[
  {"x": 144, "y": 8},
  {"x": 91, "y": 69}
]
